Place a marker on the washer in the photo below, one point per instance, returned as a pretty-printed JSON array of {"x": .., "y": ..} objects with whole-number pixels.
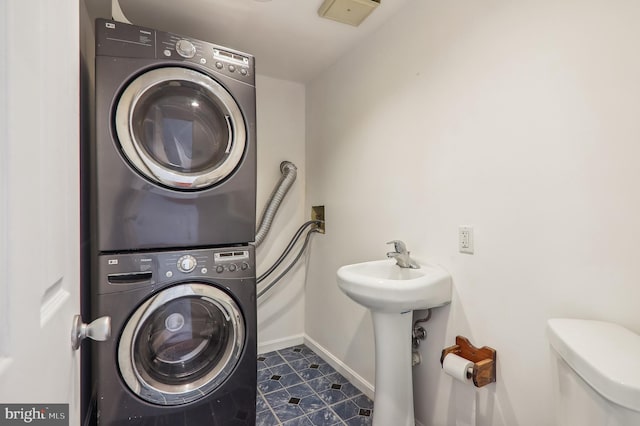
[
  {"x": 182, "y": 350},
  {"x": 173, "y": 159}
]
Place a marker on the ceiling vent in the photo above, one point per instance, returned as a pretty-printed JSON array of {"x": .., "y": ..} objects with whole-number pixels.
[{"x": 351, "y": 12}]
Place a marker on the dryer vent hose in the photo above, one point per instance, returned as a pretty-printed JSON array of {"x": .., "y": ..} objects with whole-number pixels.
[
  {"x": 289, "y": 172},
  {"x": 116, "y": 12}
]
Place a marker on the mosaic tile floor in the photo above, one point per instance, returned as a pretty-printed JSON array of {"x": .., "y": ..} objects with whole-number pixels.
[{"x": 297, "y": 388}]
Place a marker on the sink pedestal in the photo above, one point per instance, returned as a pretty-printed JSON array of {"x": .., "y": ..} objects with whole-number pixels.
[
  {"x": 392, "y": 293},
  {"x": 393, "y": 400}
]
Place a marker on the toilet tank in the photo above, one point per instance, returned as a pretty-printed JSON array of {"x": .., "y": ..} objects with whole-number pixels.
[{"x": 598, "y": 373}]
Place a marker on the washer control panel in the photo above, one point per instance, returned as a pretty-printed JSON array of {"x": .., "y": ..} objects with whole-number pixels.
[
  {"x": 236, "y": 262},
  {"x": 126, "y": 271}
]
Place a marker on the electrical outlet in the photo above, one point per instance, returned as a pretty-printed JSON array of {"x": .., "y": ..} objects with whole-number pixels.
[{"x": 465, "y": 239}]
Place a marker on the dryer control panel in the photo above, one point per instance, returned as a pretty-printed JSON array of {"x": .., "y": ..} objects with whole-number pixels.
[
  {"x": 230, "y": 62},
  {"x": 118, "y": 39}
]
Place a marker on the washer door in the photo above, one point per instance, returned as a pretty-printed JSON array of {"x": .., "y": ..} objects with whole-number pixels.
[
  {"x": 180, "y": 128},
  {"x": 181, "y": 344}
]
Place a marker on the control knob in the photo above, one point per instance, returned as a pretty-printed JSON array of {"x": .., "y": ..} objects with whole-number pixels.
[
  {"x": 187, "y": 263},
  {"x": 185, "y": 48}
]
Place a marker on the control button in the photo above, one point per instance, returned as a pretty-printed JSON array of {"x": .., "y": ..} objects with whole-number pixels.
[
  {"x": 219, "y": 269},
  {"x": 232, "y": 68},
  {"x": 219, "y": 65},
  {"x": 232, "y": 267},
  {"x": 167, "y": 52},
  {"x": 169, "y": 274},
  {"x": 185, "y": 48},
  {"x": 244, "y": 266},
  {"x": 187, "y": 263},
  {"x": 204, "y": 270},
  {"x": 244, "y": 71}
]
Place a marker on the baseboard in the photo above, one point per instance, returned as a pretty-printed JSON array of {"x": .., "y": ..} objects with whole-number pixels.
[
  {"x": 277, "y": 344},
  {"x": 357, "y": 380}
]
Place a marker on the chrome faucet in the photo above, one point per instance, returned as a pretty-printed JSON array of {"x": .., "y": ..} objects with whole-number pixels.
[{"x": 401, "y": 255}]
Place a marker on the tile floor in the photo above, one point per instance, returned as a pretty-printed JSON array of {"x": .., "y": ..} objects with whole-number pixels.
[{"x": 297, "y": 388}]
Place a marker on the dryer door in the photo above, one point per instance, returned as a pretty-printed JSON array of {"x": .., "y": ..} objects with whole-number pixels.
[
  {"x": 180, "y": 128},
  {"x": 181, "y": 344}
]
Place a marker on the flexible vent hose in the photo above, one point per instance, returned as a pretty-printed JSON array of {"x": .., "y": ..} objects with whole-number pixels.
[
  {"x": 289, "y": 172},
  {"x": 116, "y": 12}
]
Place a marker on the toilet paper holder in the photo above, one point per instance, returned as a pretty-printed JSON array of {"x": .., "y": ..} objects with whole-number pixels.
[{"x": 484, "y": 360}]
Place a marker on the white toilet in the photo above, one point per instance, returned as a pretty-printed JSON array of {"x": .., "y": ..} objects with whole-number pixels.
[{"x": 598, "y": 373}]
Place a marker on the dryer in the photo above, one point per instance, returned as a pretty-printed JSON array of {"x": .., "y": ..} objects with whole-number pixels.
[
  {"x": 173, "y": 159},
  {"x": 182, "y": 350}
]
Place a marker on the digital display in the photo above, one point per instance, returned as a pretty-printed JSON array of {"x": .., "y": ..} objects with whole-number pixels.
[
  {"x": 230, "y": 57},
  {"x": 231, "y": 255}
]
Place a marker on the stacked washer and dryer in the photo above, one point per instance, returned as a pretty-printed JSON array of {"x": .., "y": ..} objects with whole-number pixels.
[{"x": 170, "y": 212}]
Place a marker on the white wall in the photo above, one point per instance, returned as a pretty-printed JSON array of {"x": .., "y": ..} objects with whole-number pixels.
[
  {"x": 280, "y": 124},
  {"x": 519, "y": 118}
]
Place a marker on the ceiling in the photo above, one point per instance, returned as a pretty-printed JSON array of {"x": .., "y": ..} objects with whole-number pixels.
[{"x": 287, "y": 37}]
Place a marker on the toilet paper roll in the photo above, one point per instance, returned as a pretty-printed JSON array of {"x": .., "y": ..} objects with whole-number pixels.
[{"x": 457, "y": 367}]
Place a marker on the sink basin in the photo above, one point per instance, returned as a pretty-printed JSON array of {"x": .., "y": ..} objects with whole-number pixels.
[
  {"x": 392, "y": 293},
  {"x": 383, "y": 286}
]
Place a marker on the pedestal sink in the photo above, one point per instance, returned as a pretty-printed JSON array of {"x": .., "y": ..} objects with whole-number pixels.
[{"x": 392, "y": 294}]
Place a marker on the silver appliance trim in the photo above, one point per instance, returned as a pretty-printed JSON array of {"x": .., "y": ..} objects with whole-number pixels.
[
  {"x": 154, "y": 391},
  {"x": 148, "y": 165}
]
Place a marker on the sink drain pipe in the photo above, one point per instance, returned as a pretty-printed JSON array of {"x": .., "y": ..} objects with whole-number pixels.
[
  {"x": 418, "y": 333},
  {"x": 289, "y": 172}
]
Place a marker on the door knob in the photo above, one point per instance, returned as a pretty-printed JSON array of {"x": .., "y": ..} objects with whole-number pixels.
[{"x": 99, "y": 329}]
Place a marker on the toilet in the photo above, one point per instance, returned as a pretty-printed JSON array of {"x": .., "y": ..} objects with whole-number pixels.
[{"x": 597, "y": 366}]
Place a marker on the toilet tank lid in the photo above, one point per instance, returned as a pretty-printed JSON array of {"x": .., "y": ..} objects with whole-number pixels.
[{"x": 605, "y": 355}]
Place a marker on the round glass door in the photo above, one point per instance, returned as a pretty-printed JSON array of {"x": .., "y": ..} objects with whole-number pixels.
[
  {"x": 180, "y": 128},
  {"x": 181, "y": 344}
]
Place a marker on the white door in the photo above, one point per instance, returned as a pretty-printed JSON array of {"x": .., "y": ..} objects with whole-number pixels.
[{"x": 39, "y": 196}]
